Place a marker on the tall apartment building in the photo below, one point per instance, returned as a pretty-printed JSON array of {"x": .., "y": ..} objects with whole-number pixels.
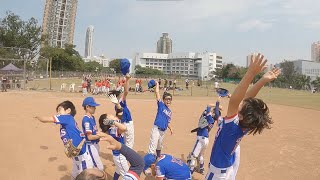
[
  {"x": 200, "y": 65},
  {"x": 315, "y": 51},
  {"x": 89, "y": 42},
  {"x": 59, "y": 22},
  {"x": 164, "y": 45}
]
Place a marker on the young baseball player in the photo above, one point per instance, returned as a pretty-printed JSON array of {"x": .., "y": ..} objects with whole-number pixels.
[
  {"x": 161, "y": 123},
  {"x": 109, "y": 124},
  {"x": 135, "y": 160},
  {"x": 90, "y": 129},
  {"x": 121, "y": 103},
  {"x": 205, "y": 124},
  {"x": 71, "y": 136},
  {"x": 245, "y": 115},
  {"x": 166, "y": 167}
]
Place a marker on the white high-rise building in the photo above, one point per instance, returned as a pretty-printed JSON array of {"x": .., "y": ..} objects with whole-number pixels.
[
  {"x": 89, "y": 42},
  {"x": 315, "y": 51},
  {"x": 59, "y": 22},
  {"x": 103, "y": 60},
  {"x": 200, "y": 65}
]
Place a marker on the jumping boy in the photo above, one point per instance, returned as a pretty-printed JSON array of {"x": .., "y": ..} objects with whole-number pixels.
[
  {"x": 206, "y": 122},
  {"x": 246, "y": 115},
  {"x": 161, "y": 123},
  {"x": 90, "y": 129},
  {"x": 70, "y": 136},
  {"x": 121, "y": 103}
]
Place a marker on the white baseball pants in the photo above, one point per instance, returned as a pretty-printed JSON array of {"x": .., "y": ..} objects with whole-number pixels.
[
  {"x": 156, "y": 140},
  {"x": 121, "y": 163},
  {"x": 129, "y": 134}
]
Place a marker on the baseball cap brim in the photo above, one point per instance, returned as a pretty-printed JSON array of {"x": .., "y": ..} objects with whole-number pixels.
[{"x": 94, "y": 104}]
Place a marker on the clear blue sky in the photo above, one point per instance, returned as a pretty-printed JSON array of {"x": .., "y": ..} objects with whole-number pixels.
[{"x": 280, "y": 29}]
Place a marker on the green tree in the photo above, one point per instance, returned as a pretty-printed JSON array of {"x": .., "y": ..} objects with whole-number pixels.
[
  {"x": 115, "y": 64},
  {"x": 288, "y": 71},
  {"x": 66, "y": 59},
  {"x": 225, "y": 70},
  {"x": 316, "y": 83},
  {"x": 14, "y": 32},
  {"x": 147, "y": 71}
]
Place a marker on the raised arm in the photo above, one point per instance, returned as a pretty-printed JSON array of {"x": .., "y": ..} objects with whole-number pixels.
[
  {"x": 267, "y": 77},
  {"x": 157, "y": 91},
  {"x": 126, "y": 87},
  {"x": 45, "y": 119},
  {"x": 256, "y": 66}
]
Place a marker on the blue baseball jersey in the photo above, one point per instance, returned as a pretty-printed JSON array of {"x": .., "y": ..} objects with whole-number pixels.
[
  {"x": 126, "y": 116},
  {"x": 113, "y": 131},
  {"x": 89, "y": 126},
  {"x": 169, "y": 167},
  {"x": 208, "y": 116},
  {"x": 163, "y": 117},
  {"x": 226, "y": 141},
  {"x": 69, "y": 130}
]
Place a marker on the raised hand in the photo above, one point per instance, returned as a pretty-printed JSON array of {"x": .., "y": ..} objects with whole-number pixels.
[
  {"x": 257, "y": 64},
  {"x": 271, "y": 75},
  {"x": 113, "y": 99},
  {"x": 128, "y": 76}
]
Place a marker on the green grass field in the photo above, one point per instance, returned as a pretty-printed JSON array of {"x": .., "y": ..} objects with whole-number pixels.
[{"x": 286, "y": 97}]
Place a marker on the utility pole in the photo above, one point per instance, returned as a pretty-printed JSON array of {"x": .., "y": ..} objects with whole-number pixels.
[{"x": 50, "y": 59}]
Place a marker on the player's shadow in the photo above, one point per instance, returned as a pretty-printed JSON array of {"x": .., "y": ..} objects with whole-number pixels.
[
  {"x": 106, "y": 156},
  {"x": 62, "y": 168},
  {"x": 141, "y": 153},
  {"x": 65, "y": 177},
  {"x": 183, "y": 158},
  {"x": 51, "y": 159},
  {"x": 44, "y": 147}
]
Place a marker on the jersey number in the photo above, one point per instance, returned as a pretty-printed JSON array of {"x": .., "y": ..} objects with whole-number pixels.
[{"x": 177, "y": 161}]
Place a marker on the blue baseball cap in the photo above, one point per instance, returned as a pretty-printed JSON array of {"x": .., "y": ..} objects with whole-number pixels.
[
  {"x": 151, "y": 83},
  {"x": 148, "y": 160},
  {"x": 222, "y": 92},
  {"x": 89, "y": 101},
  {"x": 124, "y": 66}
]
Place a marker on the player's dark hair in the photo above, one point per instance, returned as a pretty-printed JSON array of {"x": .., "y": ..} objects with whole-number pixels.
[
  {"x": 114, "y": 92},
  {"x": 255, "y": 116},
  {"x": 66, "y": 105},
  {"x": 103, "y": 127},
  {"x": 166, "y": 94}
]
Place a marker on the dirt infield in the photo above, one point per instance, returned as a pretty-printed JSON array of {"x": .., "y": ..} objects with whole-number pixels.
[{"x": 32, "y": 150}]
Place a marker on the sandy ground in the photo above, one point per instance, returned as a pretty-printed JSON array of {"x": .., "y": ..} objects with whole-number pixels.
[{"x": 31, "y": 150}]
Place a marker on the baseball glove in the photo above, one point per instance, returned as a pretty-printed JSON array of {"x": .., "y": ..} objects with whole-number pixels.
[
  {"x": 72, "y": 151},
  {"x": 106, "y": 124},
  {"x": 203, "y": 122}
]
